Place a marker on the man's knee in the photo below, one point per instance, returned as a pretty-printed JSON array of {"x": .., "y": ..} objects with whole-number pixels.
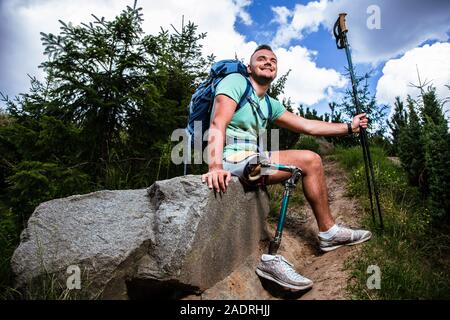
[
  {"x": 312, "y": 161},
  {"x": 303, "y": 159}
]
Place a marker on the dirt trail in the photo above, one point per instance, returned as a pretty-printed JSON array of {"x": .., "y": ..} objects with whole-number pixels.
[{"x": 299, "y": 245}]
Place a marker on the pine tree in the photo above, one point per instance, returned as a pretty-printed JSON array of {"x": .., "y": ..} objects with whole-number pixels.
[
  {"x": 100, "y": 76},
  {"x": 332, "y": 106},
  {"x": 376, "y": 113},
  {"x": 104, "y": 113},
  {"x": 410, "y": 147},
  {"x": 277, "y": 88},
  {"x": 311, "y": 114},
  {"x": 437, "y": 154},
  {"x": 397, "y": 123}
]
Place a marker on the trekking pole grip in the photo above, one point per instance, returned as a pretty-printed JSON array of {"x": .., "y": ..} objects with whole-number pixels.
[{"x": 342, "y": 26}]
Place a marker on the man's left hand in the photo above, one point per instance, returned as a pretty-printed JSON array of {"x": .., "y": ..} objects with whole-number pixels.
[{"x": 359, "y": 120}]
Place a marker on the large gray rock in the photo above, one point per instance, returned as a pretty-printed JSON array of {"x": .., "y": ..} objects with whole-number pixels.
[{"x": 174, "y": 238}]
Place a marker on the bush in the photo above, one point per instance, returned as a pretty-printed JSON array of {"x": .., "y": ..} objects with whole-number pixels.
[
  {"x": 34, "y": 182},
  {"x": 9, "y": 237},
  {"x": 307, "y": 143}
]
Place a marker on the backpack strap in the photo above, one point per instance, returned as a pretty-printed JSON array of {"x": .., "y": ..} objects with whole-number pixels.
[
  {"x": 247, "y": 92},
  {"x": 269, "y": 106}
]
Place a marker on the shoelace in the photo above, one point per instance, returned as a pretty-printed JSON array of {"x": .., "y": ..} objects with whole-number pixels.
[
  {"x": 354, "y": 233},
  {"x": 291, "y": 273}
]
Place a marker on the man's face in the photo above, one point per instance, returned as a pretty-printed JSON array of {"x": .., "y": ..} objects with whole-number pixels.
[{"x": 263, "y": 66}]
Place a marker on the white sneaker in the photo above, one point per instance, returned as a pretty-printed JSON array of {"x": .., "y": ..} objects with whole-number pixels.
[
  {"x": 278, "y": 269},
  {"x": 344, "y": 236}
]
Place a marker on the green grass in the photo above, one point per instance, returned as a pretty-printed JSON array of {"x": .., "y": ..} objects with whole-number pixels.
[
  {"x": 50, "y": 287},
  {"x": 412, "y": 254}
]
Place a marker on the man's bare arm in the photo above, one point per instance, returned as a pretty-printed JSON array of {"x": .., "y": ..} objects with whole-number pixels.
[
  {"x": 299, "y": 124},
  {"x": 216, "y": 177}
]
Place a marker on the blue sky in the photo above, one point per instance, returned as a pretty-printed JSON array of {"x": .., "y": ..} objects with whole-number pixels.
[
  {"x": 321, "y": 40},
  {"x": 411, "y": 33}
]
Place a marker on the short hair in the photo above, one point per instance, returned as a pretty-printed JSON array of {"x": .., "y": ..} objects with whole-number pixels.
[{"x": 261, "y": 47}]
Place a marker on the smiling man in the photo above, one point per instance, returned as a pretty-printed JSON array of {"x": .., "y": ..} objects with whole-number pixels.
[{"x": 239, "y": 129}]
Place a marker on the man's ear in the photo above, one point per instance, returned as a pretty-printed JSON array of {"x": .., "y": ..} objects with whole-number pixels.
[{"x": 248, "y": 69}]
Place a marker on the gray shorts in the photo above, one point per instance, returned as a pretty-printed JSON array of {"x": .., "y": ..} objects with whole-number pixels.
[{"x": 237, "y": 167}]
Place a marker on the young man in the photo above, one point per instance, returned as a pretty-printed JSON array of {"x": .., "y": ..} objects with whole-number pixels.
[{"x": 239, "y": 130}]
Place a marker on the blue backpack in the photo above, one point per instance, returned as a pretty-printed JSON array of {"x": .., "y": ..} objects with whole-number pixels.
[{"x": 202, "y": 100}]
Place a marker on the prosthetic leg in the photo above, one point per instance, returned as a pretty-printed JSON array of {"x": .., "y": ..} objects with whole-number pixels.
[{"x": 254, "y": 171}]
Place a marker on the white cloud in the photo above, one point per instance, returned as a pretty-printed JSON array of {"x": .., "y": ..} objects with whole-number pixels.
[
  {"x": 307, "y": 83},
  {"x": 242, "y": 14},
  {"x": 305, "y": 18},
  {"x": 405, "y": 24},
  {"x": 433, "y": 64},
  {"x": 281, "y": 15},
  {"x": 216, "y": 20},
  {"x": 27, "y": 18}
]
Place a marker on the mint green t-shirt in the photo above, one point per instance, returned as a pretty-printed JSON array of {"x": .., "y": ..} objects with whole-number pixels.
[{"x": 246, "y": 122}]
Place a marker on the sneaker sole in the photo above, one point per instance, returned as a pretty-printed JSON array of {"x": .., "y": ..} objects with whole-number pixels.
[
  {"x": 327, "y": 249},
  {"x": 282, "y": 283}
]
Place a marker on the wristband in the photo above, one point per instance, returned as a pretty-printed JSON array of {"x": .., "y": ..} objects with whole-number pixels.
[{"x": 349, "y": 127}]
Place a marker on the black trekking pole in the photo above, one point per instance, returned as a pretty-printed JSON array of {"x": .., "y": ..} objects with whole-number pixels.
[{"x": 340, "y": 32}]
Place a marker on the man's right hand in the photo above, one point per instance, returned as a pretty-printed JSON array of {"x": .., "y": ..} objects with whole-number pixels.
[{"x": 217, "y": 179}]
